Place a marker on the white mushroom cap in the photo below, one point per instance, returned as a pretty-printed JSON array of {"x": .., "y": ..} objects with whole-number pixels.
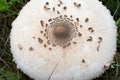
[{"x": 63, "y": 39}]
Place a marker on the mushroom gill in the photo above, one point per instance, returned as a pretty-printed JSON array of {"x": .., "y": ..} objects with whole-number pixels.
[{"x": 63, "y": 39}]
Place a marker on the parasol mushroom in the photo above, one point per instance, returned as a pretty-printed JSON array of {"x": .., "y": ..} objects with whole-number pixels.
[{"x": 63, "y": 39}]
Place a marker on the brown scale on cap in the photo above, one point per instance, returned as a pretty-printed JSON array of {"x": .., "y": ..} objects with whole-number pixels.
[
  {"x": 45, "y": 30},
  {"x": 87, "y": 19},
  {"x": 60, "y": 2},
  {"x": 47, "y": 3},
  {"x": 65, "y": 15},
  {"x": 72, "y": 24},
  {"x": 79, "y": 34},
  {"x": 58, "y": 12},
  {"x": 75, "y": 23},
  {"x": 69, "y": 44},
  {"x": 42, "y": 23},
  {"x": 99, "y": 41},
  {"x": 106, "y": 66},
  {"x": 30, "y": 49},
  {"x": 20, "y": 46},
  {"x": 64, "y": 47},
  {"x": 40, "y": 40},
  {"x": 59, "y": 5},
  {"x": 60, "y": 16},
  {"x": 49, "y": 20},
  {"x": 77, "y": 19},
  {"x": 71, "y": 16},
  {"x": 53, "y": 45},
  {"x": 91, "y": 29},
  {"x": 48, "y": 42},
  {"x": 98, "y": 48},
  {"x": 90, "y": 38},
  {"x": 53, "y": 9},
  {"x": 70, "y": 19},
  {"x": 50, "y": 48},
  {"x": 74, "y": 42},
  {"x": 44, "y": 35},
  {"x": 46, "y": 8},
  {"x": 41, "y": 32},
  {"x": 83, "y": 60},
  {"x": 45, "y": 45},
  {"x": 77, "y": 4},
  {"x": 46, "y": 25},
  {"x": 33, "y": 37},
  {"x": 65, "y": 8},
  {"x": 81, "y": 26}
]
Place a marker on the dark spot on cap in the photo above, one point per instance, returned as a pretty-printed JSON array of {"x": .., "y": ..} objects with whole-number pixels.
[
  {"x": 53, "y": 8},
  {"x": 50, "y": 49},
  {"x": 77, "y": 4},
  {"x": 65, "y": 15},
  {"x": 47, "y": 3},
  {"x": 46, "y": 8},
  {"x": 42, "y": 23},
  {"x": 45, "y": 30},
  {"x": 81, "y": 26},
  {"x": 59, "y": 5},
  {"x": 87, "y": 19},
  {"x": 33, "y": 37},
  {"x": 46, "y": 37},
  {"x": 64, "y": 47},
  {"x": 60, "y": 16},
  {"x": 45, "y": 45},
  {"x": 60, "y": 2},
  {"x": 68, "y": 44},
  {"x": 46, "y": 25},
  {"x": 49, "y": 20},
  {"x": 44, "y": 34},
  {"x": 83, "y": 60},
  {"x": 41, "y": 32},
  {"x": 71, "y": 16},
  {"x": 31, "y": 49},
  {"x": 48, "y": 42},
  {"x": 91, "y": 29},
  {"x": 53, "y": 45},
  {"x": 98, "y": 47},
  {"x": 64, "y": 7},
  {"x": 61, "y": 32},
  {"x": 79, "y": 34},
  {"x": 77, "y": 19},
  {"x": 90, "y": 38},
  {"x": 105, "y": 66},
  {"x": 40, "y": 40},
  {"x": 100, "y": 39},
  {"x": 20, "y": 46},
  {"x": 74, "y": 42},
  {"x": 58, "y": 12}
]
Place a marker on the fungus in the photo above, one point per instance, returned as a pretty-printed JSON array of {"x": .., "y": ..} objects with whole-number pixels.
[{"x": 73, "y": 41}]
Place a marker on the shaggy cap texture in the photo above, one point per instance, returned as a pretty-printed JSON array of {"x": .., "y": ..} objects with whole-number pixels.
[{"x": 63, "y": 39}]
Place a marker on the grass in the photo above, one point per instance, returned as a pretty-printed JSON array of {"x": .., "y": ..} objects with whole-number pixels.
[{"x": 9, "y": 10}]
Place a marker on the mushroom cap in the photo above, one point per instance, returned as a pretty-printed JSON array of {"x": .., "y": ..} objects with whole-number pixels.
[{"x": 63, "y": 39}]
